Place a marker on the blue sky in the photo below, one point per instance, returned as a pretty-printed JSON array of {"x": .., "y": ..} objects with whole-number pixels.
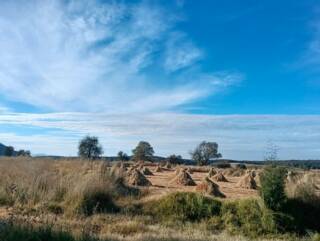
[{"x": 173, "y": 73}]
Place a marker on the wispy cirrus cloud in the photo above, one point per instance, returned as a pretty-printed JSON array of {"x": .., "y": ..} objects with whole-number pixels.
[
  {"x": 98, "y": 56},
  {"x": 239, "y": 136}
]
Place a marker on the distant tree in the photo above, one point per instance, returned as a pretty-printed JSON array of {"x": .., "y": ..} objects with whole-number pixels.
[
  {"x": 174, "y": 159},
  {"x": 89, "y": 148},
  {"x": 9, "y": 151},
  {"x": 143, "y": 152},
  {"x": 122, "y": 156},
  {"x": 23, "y": 153},
  {"x": 204, "y": 152}
]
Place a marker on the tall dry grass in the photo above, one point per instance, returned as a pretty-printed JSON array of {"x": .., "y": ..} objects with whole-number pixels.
[{"x": 73, "y": 186}]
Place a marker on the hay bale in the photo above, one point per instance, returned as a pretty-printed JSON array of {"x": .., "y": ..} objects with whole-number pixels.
[
  {"x": 190, "y": 170},
  {"x": 247, "y": 182},
  {"x": 210, "y": 188},
  {"x": 183, "y": 178},
  {"x": 168, "y": 165},
  {"x": 212, "y": 172},
  {"x": 219, "y": 177},
  {"x": 146, "y": 171},
  {"x": 138, "y": 179},
  {"x": 118, "y": 169},
  {"x": 158, "y": 169}
]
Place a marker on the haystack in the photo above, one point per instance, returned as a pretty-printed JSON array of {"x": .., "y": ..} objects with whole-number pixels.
[
  {"x": 183, "y": 178},
  {"x": 118, "y": 169},
  {"x": 210, "y": 188},
  {"x": 158, "y": 169},
  {"x": 146, "y": 171},
  {"x": 219, "y": 177},
  {"x": 212, "y": 172},
  {"x": 168, "y": 165},
  {"x": 247, "y": 182},
  {"x": 190, "y": 170},
  {"x": 138, "y": 179}
]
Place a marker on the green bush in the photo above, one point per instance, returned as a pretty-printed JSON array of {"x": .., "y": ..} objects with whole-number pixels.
[
  {"x": 95, "y": 201},
  {"x": 272, "y": 189},
  {"x": 248, "y": 217},
  {"x": 184, "y": 206}
]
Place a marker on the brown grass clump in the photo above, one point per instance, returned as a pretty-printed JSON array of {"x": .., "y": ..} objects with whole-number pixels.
[
  {"x": 118, "y": 169},
  {"x": 212, "y": 172},
  {"x": 210, "y": 188},
  {"x": 190, "y": 170},
  {"x": 158, "y": 169},
  {"x": 168, "y": 165},
  {"x": 146, "y": 171},
  {"x": 138, "y": 179},
  {"x": 183, "y": 178},
  {"x": 247, "y": 182},
  {"x": 219, "y": 177}
]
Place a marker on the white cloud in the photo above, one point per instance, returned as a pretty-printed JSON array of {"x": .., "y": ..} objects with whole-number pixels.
[
  {"x": 93, "y": 56},
  {"x": 239, "y": 136},
  {"x": 180, "y": 53}
]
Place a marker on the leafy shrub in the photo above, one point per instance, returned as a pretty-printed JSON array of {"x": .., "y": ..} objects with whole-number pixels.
[
  {"x": 273, "y": 187},
  {"x": 184, "y": 206},
  {"x": 95, "y": 201},
  {"x": 248, "y": 217}
]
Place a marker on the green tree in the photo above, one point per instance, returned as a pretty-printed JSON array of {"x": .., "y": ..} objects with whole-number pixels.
[
  {"x": 122, "y": 156},
  {"x": 9, "y": 151},
  {"x": 272, "y": 189},
  {"x": 174, "y": 159},
  {"x": 143, "y": 152},
  {"x": 23, "y": 153},
  {"x": 204, "y": 152},
  {"x": 89, "y": 148}
]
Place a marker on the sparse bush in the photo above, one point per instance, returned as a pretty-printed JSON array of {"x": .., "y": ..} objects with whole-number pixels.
[
  {"x": 273, "y": 187},
  {"x": 184, "y": 207}
]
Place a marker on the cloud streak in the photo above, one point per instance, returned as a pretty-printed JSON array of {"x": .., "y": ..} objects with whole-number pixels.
[
  {"x": 94, "y": 56},
  {"x": 239, "y": 136}
]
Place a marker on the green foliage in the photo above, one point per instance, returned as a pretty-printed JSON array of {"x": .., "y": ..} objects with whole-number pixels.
[
  {"x": 89, "y": 148},
  {"x": 204, "y": 152},
  {"x": 9, "y": 151},
  {"x": 184, "y": 206},
  {"x": 273, "y": 187},
  {"x": 143, "y": 152},
  {"x": 122, "y": 156},
  {"x": 248, "y": 217},
  {"x": 174, "y": 159},
  {"x": 46, "y": 233},
  {"x": 95, "y": 201}
]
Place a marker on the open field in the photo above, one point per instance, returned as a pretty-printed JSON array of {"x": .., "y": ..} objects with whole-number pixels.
[{"x": 38, "y": 193}]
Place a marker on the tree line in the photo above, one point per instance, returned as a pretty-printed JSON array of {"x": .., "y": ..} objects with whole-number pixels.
[{"x": 90, "y": 148}]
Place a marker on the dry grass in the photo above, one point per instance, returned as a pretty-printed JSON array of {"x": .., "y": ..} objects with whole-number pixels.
[{"x": 58, "y": 192}]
